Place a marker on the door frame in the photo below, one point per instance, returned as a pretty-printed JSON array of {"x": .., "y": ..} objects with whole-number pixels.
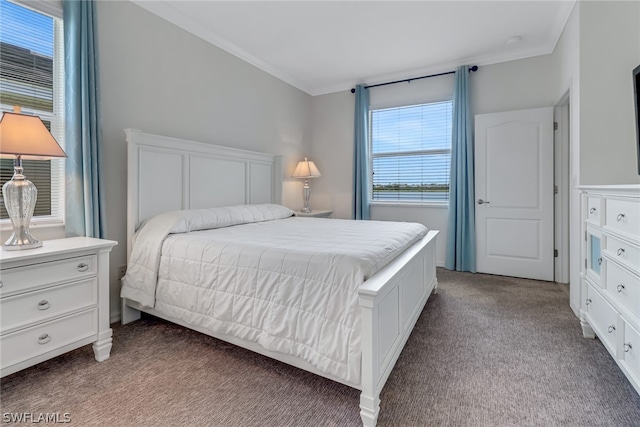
[{"x": 561, "y": 165}]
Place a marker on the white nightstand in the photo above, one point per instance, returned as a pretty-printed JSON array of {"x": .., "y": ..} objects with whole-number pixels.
[
  {"x": 315, "y": 214},
  {"x": 54, "y": 299}
]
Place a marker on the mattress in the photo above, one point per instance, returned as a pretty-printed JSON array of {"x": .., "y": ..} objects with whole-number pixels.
[{"x": 287, "y": 283}]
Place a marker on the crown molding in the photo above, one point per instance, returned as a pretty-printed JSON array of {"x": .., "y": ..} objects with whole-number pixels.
[
  {"x": 169, "y": 13},
  {"x": 480, "y": 61}
]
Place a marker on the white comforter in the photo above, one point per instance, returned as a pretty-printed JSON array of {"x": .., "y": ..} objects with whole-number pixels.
[{"x": 288, "y": 284}]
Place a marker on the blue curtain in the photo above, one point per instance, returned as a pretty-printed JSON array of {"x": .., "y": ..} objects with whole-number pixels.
[
  {"x": 84, "y": 215},
  {"x": 461, "y": 236},
  {"x": 361, "y": 155}
]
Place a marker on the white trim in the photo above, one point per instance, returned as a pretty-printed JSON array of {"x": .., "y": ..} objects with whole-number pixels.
[
  {"x": 56, "y": 118},
  {"x": 398, "y": 154},
  {"x": 633, "y": 189},
  {"x": 407, "y": 204},
  {"x": 36, "y": 221},
  {"x": 48, "y": 7},
  {"x": 561, "y": 200}
]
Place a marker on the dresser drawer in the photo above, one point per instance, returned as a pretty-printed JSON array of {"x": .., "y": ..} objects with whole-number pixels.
[
  {"x": 20, "y": 279},
  {"x": 35, "y": 341},
  {"x": 603, "y": 318},
  {"x": 593, "y": 209},
  {"x": 631, "y": 350},
  {"x": 38, "y": 306},
  {"x": 624, "y": 252},
  {"x": 623, "y": 216},
  {"x": 624, "y": 286}
]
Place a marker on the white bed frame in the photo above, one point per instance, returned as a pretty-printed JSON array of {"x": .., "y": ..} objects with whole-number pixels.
[{"x": 167, "y": 174}]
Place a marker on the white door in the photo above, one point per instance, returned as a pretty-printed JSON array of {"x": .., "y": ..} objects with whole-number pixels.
[{"x": 514, "y": 193}]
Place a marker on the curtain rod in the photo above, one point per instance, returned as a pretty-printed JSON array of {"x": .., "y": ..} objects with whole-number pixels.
[{"x": 474, "y": 68}]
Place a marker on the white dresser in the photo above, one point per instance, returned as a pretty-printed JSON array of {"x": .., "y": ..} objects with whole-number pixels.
[
  {"x": 54, "y": 299},
  {"x": 610, "y": 305}
]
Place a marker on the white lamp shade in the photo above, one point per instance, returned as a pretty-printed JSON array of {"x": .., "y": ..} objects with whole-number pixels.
[
  {"x": 26, "y": 136},
  {"x": 306, "y": 169}
]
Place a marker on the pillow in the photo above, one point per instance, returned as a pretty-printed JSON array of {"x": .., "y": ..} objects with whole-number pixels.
[{"x": 206, "y": 219}]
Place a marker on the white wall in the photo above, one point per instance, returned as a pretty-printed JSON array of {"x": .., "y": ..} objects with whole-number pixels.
[
  {"x": 332, "y": 152},
  {"x": 160, "y": 79},
  {"x": 609, "y": 51},
  {"x": 514, "y": 85}
]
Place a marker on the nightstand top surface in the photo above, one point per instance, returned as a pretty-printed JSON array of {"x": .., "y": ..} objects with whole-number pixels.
[
  {"x": 57, "y": 246},
  {"x": 318, "y": 213}
]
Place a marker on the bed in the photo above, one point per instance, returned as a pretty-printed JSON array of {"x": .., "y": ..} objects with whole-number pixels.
[{"x": 366, "y": 321}]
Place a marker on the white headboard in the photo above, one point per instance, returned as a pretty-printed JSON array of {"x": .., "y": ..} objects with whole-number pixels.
[{"x": 167, "y": 174}]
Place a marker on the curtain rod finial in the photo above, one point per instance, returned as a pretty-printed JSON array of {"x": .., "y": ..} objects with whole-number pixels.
[
  {"x": 353, "y": 90},
  {"x": 474, "y": 68}
]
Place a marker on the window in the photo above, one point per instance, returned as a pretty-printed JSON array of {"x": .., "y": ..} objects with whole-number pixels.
[
  {"x": 411, "y": 153},
  {"x": 32, "y": 77}
]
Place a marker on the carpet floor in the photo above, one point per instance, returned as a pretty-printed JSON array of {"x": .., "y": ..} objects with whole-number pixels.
[{"x": 487, "y": 351}]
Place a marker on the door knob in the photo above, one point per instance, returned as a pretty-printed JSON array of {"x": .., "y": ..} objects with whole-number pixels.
[{"x": 480, "y": 201}]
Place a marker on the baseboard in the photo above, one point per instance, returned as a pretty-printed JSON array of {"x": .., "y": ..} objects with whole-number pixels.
[
  {"x": 114, "y": 318},
  {"x": 439, "y": 263},
  {"x": 564, "y": 287}
]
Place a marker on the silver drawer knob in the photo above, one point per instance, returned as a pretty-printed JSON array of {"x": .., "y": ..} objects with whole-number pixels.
[
  {"x": 83, "y": 267},
  {"x": 620, "y": 287},
  {"x": 620, "y": 251},
  {"x": 588, "y": 301},
  {"x": 592, "y": 210},
  {"x": 600, "y": 261},
  {"x": 43, "y": 305},
  {"x": 620, "y": 217},
  {"x": 611, "y": 329},
  {"x": 627, "y": 347},
  {"x": 43, "y": 339}
]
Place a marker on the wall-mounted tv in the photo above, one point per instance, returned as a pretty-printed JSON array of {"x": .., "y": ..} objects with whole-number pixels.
[{"x": 636, "y": 93}]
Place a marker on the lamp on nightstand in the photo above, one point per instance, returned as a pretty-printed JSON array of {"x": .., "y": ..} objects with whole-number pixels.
[
  {"x": 306, "y": 169},
  {"x": 23, "y": 137}
]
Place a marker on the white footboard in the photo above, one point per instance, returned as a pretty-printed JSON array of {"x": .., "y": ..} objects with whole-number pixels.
[{"x": 390, "y": 303}]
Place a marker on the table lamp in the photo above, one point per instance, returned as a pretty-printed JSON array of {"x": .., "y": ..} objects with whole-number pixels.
[
  {"x": 306, "y": 169},
  {"x": 25, "y": 137}
]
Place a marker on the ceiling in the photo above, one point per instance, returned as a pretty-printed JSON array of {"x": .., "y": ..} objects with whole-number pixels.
[{"x": 327, "y": 46}]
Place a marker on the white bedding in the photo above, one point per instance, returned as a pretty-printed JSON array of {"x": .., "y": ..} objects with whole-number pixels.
[{"x": 289, "y": 284}]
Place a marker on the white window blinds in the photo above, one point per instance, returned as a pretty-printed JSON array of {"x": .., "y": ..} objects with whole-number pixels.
[
  {"x": 32, "y": 77},
  {"x": 411, "y": 153}
]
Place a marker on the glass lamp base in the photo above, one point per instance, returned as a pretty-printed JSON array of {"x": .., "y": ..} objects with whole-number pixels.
[
  {"x": 20, "y": 200},
  {"x": 16, "y": 244},
  {"x": 306, "y": 196}
]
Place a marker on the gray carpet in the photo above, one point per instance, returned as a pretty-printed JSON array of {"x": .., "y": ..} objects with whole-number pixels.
[{"x": 487, "y": 351}]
